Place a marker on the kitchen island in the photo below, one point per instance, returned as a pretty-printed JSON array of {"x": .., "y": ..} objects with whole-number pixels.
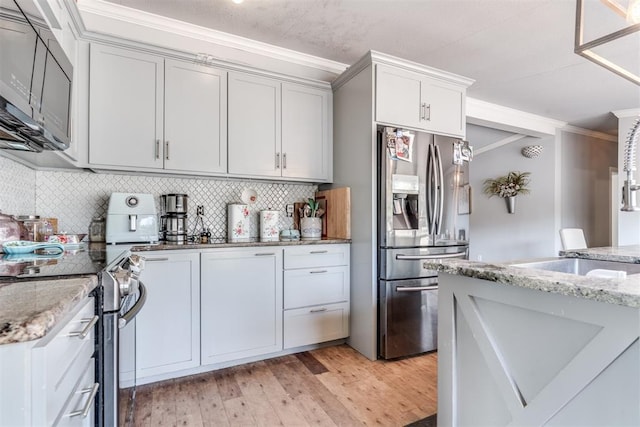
[{"x": 524, "y": 347}]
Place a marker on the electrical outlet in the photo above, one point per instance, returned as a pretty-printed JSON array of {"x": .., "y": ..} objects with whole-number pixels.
[
  {"x": 289, "y": 210},
  {"x": 200, "y": 210}
]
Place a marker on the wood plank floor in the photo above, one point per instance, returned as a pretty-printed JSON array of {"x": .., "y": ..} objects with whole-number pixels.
[{"x": 332, "y": 386}]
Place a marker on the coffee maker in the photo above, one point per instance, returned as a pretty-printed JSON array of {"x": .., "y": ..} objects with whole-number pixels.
[{"x": 173, "y": 220}]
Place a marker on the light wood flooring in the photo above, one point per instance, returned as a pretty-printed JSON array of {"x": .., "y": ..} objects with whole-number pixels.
[{"x": 332, "y": 386}]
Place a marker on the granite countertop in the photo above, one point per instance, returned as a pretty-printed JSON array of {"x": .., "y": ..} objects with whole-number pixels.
[
  {"x": 223, "y": 243},
  {"x": 28, "y": 310},
  {"x": 624, "y": 292},
  {"x": 629, "y": 254}
]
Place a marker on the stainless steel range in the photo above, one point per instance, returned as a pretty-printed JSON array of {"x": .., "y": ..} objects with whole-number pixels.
[
  {"x": 123, "y": 297},
  {"x": 131, "y": 219}
]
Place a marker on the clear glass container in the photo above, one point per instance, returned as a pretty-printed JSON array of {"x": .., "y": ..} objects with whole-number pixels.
[{"x": 97, "y": 229}]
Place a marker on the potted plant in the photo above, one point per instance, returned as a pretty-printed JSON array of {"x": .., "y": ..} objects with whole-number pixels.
[
  {"x": 310, "y": 222},
  {"x": 508, "y": 187}
]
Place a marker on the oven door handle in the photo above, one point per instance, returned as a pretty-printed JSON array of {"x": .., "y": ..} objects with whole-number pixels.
[
  {"x": 129, "y": 315},
  {"x": 403, "y": 257}
]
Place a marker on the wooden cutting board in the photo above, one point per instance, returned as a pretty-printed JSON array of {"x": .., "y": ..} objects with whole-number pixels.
[{"x": 336, "y": 221}]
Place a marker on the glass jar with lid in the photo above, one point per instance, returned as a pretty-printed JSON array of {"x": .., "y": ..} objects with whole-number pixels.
[{"x": 97, "y": 229}]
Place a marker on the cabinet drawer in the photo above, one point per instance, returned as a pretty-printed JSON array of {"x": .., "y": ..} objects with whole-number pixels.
[
  {"x": 316, "y": 256},
  {"x": 318, "y": 324},
  {"x": 82, "y": 397},
  {"x": 59, "y": 361},
  {"x": 324, "y": 285}
]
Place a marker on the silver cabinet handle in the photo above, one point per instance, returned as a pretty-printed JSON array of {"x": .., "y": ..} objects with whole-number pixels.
[
  {"x": 265, "y": 254},
  {"x": 154, "y": 259},
  {"x": 427, "y": 112},
  {"x": 166, "y": 150},
  {"x": 277, "y": 160},
  {"x": 416, "y": 288},
  {"x": 85, "y": 331},
  {"x": 434, "y": 256},
  {"x": 157, "y": 149},
  {"x": 89, "y": 403},
  {"x": 284, "y": 160},
  {"x": 423, "y": 111},
  {"x": 318, "y": 310},
  {"x": 318, "y": 252},
  {"x": 318, "y": 272}
]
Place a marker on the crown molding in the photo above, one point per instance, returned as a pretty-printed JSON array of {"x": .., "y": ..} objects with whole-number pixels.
[
  {"x": 110, "y": 11},
  {"x": 590, "y": 133},
  {"x": 496, "y": 116},
  {"x": 627, "y": 113}
]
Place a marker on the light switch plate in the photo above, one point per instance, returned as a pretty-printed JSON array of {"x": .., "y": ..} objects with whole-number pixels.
[{"x": 289, "y": 210}]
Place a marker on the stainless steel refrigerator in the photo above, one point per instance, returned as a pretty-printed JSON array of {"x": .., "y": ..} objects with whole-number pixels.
[{"x": 423, "y": 211}]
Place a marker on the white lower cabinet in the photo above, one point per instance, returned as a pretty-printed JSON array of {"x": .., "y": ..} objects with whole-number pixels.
[
  {"x": 241, "y": 303},
  {"x": 216, "y": 307},
  {"x": 50, "y": 382},
  {"x": 316, "y": 294},
  {"x": 167, "y": 329}
]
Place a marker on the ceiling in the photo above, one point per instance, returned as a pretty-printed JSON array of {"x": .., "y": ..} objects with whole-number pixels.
[{"x": 520, "y": 52}]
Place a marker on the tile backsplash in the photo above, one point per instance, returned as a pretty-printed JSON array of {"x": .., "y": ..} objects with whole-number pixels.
[
  {"x": 18, "y": 189},
  {"x": 76, "y": 197}
]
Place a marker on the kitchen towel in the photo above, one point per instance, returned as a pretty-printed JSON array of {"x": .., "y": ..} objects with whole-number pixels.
[
  {"x": 269, "y": 226},
  {"x": 237, "y": 222}
]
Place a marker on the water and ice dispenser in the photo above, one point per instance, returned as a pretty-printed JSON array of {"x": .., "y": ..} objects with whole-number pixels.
[{"x": 406, "y": 208}]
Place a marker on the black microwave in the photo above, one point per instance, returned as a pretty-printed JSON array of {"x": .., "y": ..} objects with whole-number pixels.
[{"x": 35, "y": 81}]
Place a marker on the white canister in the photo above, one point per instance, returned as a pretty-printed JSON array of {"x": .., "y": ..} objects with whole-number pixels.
[
  {"x": 237, "y": 222},
  {"x": 311, "y": 228},
  {"x": 269, "y": 226}
]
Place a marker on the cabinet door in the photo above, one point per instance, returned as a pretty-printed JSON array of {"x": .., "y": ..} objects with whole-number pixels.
[
  {"x": 167, "y": 329},
  {"x": 125, "y": 108},
  {"x": 398, "y": 97},
  {"x": 445, "y": 112},
  {"x": 306, "y": 132},
  {"x": 241, "y": 303},
  {"x": 254, "y": 125},
  {"x": 195, "y": 129}
]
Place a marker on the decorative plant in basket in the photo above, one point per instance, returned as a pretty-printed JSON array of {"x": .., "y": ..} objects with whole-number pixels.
[{"x": 508, "y": 187}]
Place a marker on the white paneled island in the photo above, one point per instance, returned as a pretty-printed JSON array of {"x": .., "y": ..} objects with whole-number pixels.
[{"x": 524, "y": 347}]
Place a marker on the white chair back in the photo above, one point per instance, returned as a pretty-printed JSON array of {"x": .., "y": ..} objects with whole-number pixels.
[{"x": 572, "y": 238}]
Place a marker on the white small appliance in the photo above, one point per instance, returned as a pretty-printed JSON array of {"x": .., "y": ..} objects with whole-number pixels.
[{"x": 132, "y": 218}]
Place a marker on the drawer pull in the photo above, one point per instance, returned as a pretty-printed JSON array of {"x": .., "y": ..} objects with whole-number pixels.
[
  {"x": 318, "y": 310},
  {"x": 318, "y": 252},
  {"x": 318, "y": 271},
  {"x": 83, "y": 333},
  {"x": 265, "y": 254},
  {"x": 89, "y": 403},
  {"x": 155, "y": 259}
]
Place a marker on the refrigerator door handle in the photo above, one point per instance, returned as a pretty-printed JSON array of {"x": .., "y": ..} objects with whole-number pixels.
[
  {"x": 440, "y": 188},
  {"x": 416, "y": 288},
  {"x": 402, "y": 257},
  {"x": 430, "y": 191}
]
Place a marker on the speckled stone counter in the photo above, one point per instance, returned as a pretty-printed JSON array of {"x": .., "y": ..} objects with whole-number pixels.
[
  {"x": 624, "y": 292},
  {"x": 28, "y": 310},
  {"x": 630, "y": 254},
  {"x": 244, "y": 244}
]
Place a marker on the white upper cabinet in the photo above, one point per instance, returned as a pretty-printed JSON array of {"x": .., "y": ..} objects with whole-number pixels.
[
  {"x": 148, "y": 112},
  {"x": 195, "y": 124},
  {"x": 126, "y": 113},
  {"x": 278, "y": 129},
  {"x": 306, "y": 132},
  {"x": 254, "y": 125},
  {"x": 416, "y": 100}
]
